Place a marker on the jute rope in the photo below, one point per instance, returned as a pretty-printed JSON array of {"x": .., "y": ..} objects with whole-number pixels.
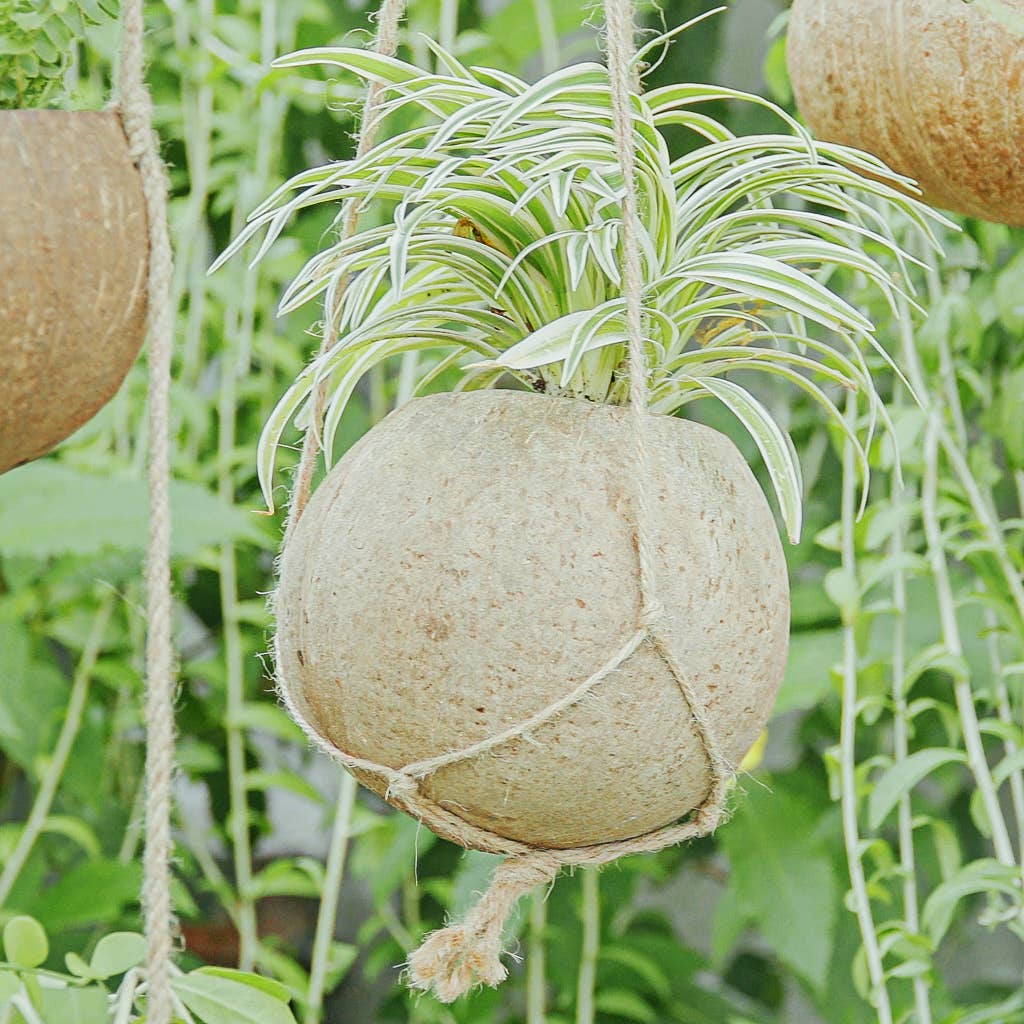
[
  {"x": 389, "y": 18},
  {"x": 452, "y": 960},
  {"x": 133, "y": 101}
]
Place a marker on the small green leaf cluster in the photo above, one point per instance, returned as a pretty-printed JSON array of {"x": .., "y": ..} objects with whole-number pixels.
[
  {"x": 87, "y": 994},
  {"x": 37, "y": 40}
]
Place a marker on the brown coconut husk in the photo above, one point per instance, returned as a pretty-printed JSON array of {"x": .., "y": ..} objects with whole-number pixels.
[
  {"x": 73, "y": 264},
  {"x": 472, "y": 559},
  {"x": 933, "y": 87}
]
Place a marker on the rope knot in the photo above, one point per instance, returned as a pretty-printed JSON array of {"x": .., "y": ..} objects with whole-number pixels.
[
  {"x": 451, "y": 961},
  {"x": 402, "y": 786},
  {"x": 653, "y": 612}
]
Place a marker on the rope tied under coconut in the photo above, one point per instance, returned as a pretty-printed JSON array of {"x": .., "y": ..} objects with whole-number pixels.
[
  {"x": 455, "y": 958},
  {"x": 452, "y": 960},
  {"x": 132, "y": 100}
]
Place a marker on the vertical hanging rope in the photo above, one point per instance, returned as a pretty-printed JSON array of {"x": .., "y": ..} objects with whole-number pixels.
[
  {"x": 623, "y": 80},
  {"x": 133, "y": 100},
  {"x": 389, "y": 18},
  {"x": 452, "y": 960}
]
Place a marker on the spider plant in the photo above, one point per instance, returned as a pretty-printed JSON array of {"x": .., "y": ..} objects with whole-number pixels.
[{"x": 499, "y": 251}]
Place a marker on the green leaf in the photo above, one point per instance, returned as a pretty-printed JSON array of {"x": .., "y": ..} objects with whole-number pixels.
[
  {"x": 117, "y": 953},
  {"x": 269, "y": 718},
  {"x": 775, "y": 446},
  {"x": 218, "y": 1000},
  {"x": 48, "y": 509},
  {"x": 644, "y": 967},
  {"x": 75, "y": 829},
  {"x": 94, "y": 892},
  {"x": 25, "y": 942},
  {"x": 901, "y": 778},
  {"x": 264, "y": 780},
  {"x": 74, "y": 1005},
  {"x": 783, "y": 879},
  {"x": 33, "y": 695},
  {"x": 620, "y": 1002},
  {"x": 77, "y": 966},
  {"x": 264, "y": 984},
  {"x": 841, "y": 587},
  {"x": 808, "y": 678},
  {"x": 980, "y": 876}
]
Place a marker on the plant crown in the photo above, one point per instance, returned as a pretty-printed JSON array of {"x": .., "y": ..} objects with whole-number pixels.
[{"x": 499, "y": 251}]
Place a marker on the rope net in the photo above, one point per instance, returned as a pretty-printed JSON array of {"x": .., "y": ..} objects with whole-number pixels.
[{"x": 454, "y": 959}]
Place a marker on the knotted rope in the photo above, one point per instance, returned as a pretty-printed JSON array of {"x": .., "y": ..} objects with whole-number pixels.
[
  {"x": 389, "y": 17},
  {"x": 450, "y": 961},
  {"x": 133, "y": 101}
]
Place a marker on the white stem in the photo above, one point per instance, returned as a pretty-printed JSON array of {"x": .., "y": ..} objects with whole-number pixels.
[
  {"x": 591, "y": 921},
  {"x": 847, "y": 743},
  {"x": 935, "y": 434},
  {"x": 449, "y": 27},
  {"x": 951, "y": 638},
  {"x": 901, "y": 749},
  {"x": 328, "y": 913},
  {"x": 535, "y": 968}
]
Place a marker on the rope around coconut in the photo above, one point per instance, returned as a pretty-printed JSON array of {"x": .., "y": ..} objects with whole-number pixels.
[
  {"x": 452, "y": 960},
  {"x": 132, "y": 100}
]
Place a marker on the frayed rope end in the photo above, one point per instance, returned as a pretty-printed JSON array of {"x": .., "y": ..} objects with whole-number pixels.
[
  {"x": 449, "y": 964},
  {"x": 455, "y": 959}
]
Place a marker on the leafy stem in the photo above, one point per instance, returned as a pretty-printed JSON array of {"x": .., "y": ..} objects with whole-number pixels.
[
  {"x": 50, "y": 782},
  {"x": 847, "y": 745}
]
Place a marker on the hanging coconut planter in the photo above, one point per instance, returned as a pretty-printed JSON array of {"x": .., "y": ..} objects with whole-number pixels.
[
  {"x": 73, "y": 267},
  {"x": 542, "y": 614},
  {"x": 466, "y": 567},
  {"x": 933, "y": 87}
]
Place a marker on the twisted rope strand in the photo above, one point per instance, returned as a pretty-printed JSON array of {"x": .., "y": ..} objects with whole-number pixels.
[
  {"x": 388, "y": 20},
  {"x": 431, "y": 764},
  {"x": 133, "y": 100}
]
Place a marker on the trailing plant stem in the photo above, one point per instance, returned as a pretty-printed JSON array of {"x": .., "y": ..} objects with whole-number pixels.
[
  {"x": 951, "y": 638},
  {"x": 591, "y": 920},
  {"x": 937, "y": 434},
  {"x": 901, "y": 750},
  {"x": 77, "y": 700},
  {"x": 847, "y": 744},
  {"x": 535, "y": 966},
  {"x": 328, "y": 912}
]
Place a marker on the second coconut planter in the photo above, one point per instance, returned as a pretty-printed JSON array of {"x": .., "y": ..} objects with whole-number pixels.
[
  {"x": 933, "y": 87},
  {"x": 73, "y": 266}
]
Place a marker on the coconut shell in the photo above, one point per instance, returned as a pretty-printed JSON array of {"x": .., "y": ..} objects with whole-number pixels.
[
  {"x": 73, "y": 265},
  {"x": 472, "y": 559},
  {"x": 933, "y": 87}
]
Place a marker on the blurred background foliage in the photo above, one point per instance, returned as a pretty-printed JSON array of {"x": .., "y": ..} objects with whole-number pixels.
[{"x": 906, "y": 653}]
